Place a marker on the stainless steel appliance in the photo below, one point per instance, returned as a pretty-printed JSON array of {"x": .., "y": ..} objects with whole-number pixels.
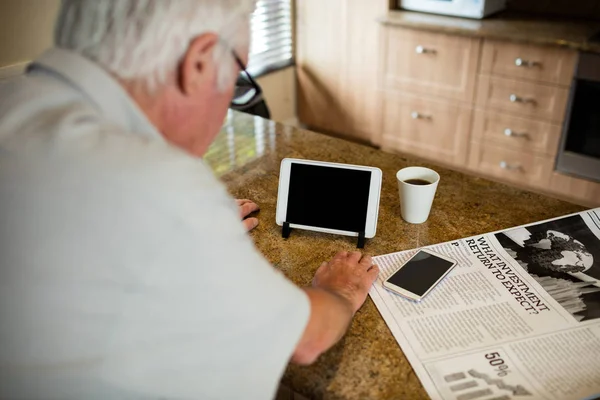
[
  {"x": 460, "y": 8},
  {"x": 579, "y": 153}
]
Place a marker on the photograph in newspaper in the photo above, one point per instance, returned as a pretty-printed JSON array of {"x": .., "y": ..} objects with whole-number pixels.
[{"x": 563, "y": 256}]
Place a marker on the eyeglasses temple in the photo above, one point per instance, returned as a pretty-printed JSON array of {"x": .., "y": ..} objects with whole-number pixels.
[{"x": 243, "y": 69}]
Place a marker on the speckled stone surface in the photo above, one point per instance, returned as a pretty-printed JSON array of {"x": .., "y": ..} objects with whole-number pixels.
[
  {"x": 367, "y": 363},
  {"x": 505, "y": 26}
]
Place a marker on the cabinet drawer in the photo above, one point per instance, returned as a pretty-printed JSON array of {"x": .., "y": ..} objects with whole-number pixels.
[
  {"x": 584, "y": 191},
  {"x": 511, "y": 165},
  {"x": 516, "y": 133},
  {"x": 535, "y": 63},
  {"x": 430, "y": 63},
  {"x": 523, "y": 98},
  {"x": 435, "y": 130}
]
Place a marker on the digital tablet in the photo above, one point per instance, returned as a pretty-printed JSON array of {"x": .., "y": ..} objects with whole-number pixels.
[{"x": 328, "y": 197}]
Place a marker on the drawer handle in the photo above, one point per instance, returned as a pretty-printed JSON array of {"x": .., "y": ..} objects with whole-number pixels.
[
  {"x": 506, "y": 166},
  {"x": 517, "y": 99},
  {"x": 418, "y": 115},
  {"x": 519, "y": 62},
  {"x": 424, "y": 50},
  {"x": 510, "y": 133}
]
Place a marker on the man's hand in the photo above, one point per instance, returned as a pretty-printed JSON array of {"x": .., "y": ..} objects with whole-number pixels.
[
  {"x": 246, "y": 208},
  {"x": 349, "y": 275},
  {"x": 340, "y": 288}
]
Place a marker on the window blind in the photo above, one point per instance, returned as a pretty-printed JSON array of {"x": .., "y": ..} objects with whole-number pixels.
[{"x": 271, "y": 46}]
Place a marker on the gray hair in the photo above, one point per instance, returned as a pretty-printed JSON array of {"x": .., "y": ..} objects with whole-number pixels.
[{"x": 144, "y": 40}]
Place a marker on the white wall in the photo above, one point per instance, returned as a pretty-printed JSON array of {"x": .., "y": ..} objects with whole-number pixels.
[
  {"x": 26, "y": 29},
  {"x": 280, "y": 92}
]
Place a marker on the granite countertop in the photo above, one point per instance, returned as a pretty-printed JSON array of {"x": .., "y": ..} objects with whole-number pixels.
[
  {"x": 367, "y": 363},
  {"x": 505, "y": 26}
]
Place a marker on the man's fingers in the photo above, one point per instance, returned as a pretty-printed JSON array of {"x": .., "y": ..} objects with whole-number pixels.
[
  {"x": 250, "y": 223},
  {"x": 373, "y": 272},
  {"x": 366, "y": 261},
  {"x": 242, "y": 201},
  {"x": 355, "y": 256},
  {"x": 248, "y": 208},
  {"x": 322, "y": 266},
  {"x": 341, "y": 255},
  {"x": 315, "y": 280}
]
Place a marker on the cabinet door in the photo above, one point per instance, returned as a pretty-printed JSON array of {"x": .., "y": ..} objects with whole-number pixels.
[
  {"x": 431, "y": 64},
  {"x": 536, "y": 100},
  {"x": 338, "y": 65},
  {"x": 438, "y": 131},
  {"x": 536, "y": 63},
  {"x": 520, "y": 167},
  {"x": 582, "y": 191},
  {"x": 516, "y": 133},
  {"x": 320, "y": 61},
  {"x": 361, "y": 66}
]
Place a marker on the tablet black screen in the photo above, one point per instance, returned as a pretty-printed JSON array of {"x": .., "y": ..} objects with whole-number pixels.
[{"x": 327, "y": 197}]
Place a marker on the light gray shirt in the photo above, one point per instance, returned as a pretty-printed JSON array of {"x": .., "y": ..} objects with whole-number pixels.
[{"x": 125, "y": 272}]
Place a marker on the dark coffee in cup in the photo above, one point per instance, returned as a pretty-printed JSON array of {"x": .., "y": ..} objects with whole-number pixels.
[
  {"x": 419, "y": 182},
  {"x": 417, "y": 187}
]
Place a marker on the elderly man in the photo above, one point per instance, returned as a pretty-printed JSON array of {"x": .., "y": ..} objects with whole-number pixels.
[{"x": 125, "y": 271}]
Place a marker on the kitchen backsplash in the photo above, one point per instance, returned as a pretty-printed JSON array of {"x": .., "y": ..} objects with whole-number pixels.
[{"x": 589, "y": 9}]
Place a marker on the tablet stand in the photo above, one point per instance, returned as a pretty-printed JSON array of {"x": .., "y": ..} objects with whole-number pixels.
[
  {"x": 286, "y": 230},
  {"x": 285, "y": 233},
  {"x": 361, "y": 240}
]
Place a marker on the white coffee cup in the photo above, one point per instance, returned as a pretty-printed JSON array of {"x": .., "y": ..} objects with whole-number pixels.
[{"x": 416, "y": 198}]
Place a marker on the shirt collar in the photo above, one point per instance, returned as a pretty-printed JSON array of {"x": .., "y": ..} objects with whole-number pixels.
[{"x": 102, "y": 89}]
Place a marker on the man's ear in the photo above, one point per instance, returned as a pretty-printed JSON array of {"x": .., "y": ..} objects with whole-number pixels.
[{"x": 197, "y": 66}]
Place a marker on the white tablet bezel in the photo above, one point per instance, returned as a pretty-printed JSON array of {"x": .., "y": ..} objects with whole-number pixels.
[
  {"x": 372, "y": 207},
  {"x": 410, "y": 295}
]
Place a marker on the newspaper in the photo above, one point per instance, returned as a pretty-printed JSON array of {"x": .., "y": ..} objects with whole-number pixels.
[{"x": 517, "y": 318}]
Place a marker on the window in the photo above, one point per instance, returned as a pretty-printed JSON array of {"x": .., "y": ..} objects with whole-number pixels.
[{"x": 271, "y": 46}]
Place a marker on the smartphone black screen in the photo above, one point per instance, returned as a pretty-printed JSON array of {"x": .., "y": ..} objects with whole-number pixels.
[
  {"x": 420, "y": 273},
  {"x": 327, "y": 197}
]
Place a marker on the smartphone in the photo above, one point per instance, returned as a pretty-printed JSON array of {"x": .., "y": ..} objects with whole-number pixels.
[{"x": 417, "y": 277}]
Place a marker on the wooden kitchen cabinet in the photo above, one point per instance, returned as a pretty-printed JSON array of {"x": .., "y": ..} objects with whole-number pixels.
[
  {"x": 430, "y": 64},
  {"x": 319, "y": 64},
  {"x": 428, "y": 84},
  {"x": 519, "y": 113},
  {"x": 542, "y": 64},
  {"x": 517, "y": 166},
  {"x": 435, "y": 130},
  {"x": 338, "y": 65},
  {"x": 517, "y": 139},
  {"x": 571, "y": 188},
  {"x": 522, "y": 98},
  {"x": 516, "y": 133},
  {"x": 494, "y": 107}
]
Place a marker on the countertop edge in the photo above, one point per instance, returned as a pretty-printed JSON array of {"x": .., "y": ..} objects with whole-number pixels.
[{"x": 389, "y": 21}]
